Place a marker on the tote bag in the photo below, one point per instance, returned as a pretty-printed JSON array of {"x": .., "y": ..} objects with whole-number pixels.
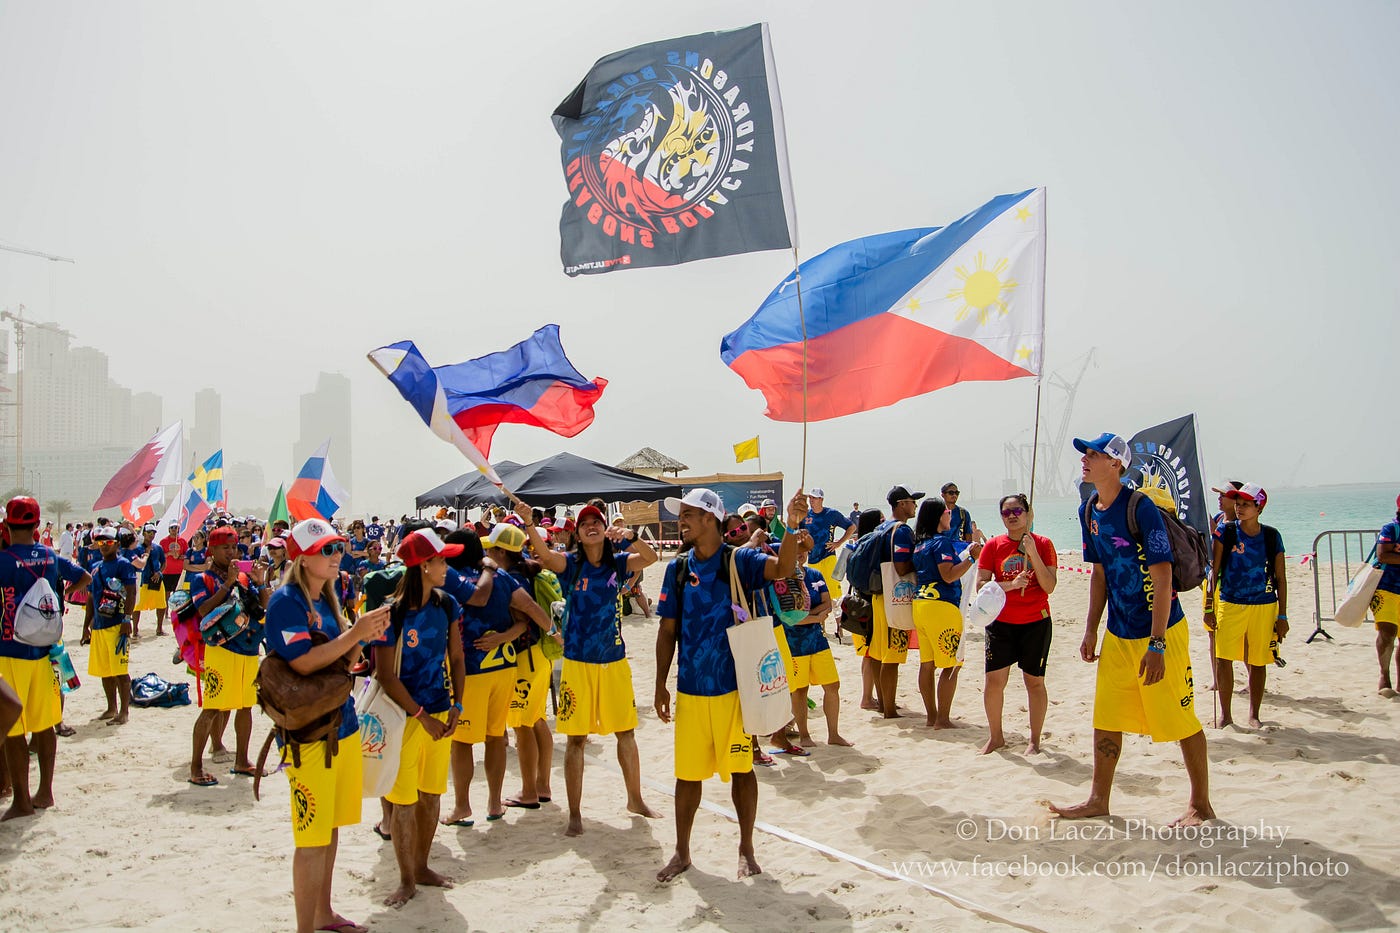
[
  {"x": 381, "y": 732},
  {"x": 900, "y": 590},
  {"x": 763, "y": 683},
  {"x": 1351, "y": 611}
]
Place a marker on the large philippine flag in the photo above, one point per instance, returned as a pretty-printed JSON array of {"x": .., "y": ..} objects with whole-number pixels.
[
  {"x": 899, "y": 314},
  {"x": 532, "y": 382}
]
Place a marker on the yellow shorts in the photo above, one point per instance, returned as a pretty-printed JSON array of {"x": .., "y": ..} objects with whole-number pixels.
[
  {"x": 529, "y": 696},
  {"x": 861, "y": 646},
  {"x": 813, "y": 670},
  {"x": 1385, "y": 607},
  {"x": 887, "y": 645},
  {"x": 147, "y": 598},
  {"x": 710, "y": 738},
  {"x": 1166, "y": 710},
  {"x": 486, "y": 706},
  {"x": 423, "y": 764},
  {"x": 784, "y": 650},
  {"x": 103, "y": 660},
  {"x": 324, "y": 799},
  {"x": 827, "y": 568},
  {"x": 228, "y": 679},
  {"x": 940, "y": 628},
  {"x": 596, "y": 699},
  {"x": 1244, "y": 633},
  {"x": 37, "y": 687}
]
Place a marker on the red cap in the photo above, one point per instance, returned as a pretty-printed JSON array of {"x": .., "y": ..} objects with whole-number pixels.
[
  {"x": 592, "y": 511},
  {"x": 22, "y": 510},
  {"x": 224, "y": 534},
  {"x": 309, "y": 535},
  {"x": 425, "y": 545}
]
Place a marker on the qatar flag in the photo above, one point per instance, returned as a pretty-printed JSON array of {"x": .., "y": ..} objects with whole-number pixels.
[{"x": 157, "y": 463}]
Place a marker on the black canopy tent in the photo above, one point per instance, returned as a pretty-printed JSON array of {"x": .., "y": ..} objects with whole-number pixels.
[{"x": 562, "y": 479}]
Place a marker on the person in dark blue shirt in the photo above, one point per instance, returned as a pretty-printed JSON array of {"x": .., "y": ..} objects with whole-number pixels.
[
  {"x": 107, "y": 624},
  {"x": 696, "y": 609},
  {"x": 151, "y": 594},
  {"x": 1144, "y": 682},
  {"x": 823, "y": 524},
  {"x": 595, "y": 685},
  {"x": 1385, "y": 604},
  {"x": 940, "y": 560}
]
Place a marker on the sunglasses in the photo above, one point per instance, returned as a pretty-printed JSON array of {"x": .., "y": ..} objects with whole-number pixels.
[
  {"x": 952, "y": 492},
  {"x": 1013, "y": 512},
  {"x": 335, "y": 547}
]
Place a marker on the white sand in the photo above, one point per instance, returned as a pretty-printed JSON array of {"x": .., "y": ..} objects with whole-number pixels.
[{"x": 130, "y": 844}]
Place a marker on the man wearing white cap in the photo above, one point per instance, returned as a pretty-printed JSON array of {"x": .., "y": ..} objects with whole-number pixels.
[
  {"x": 696, "y": 611},
  {"x": 821, "y": 523},
  {"x": 1144, "y": 683}
]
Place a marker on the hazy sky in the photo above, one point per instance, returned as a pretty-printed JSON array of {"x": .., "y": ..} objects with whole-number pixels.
[{"x": 255, "y": 192}]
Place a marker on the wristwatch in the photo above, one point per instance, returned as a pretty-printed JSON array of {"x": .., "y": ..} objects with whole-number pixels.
[{"x": 1157, "y": 645}]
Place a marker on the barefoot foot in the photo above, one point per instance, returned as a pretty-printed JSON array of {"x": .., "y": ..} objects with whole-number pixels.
[
  {"x": 401, "y": 896},
  {"x": 1194, "y": 815},
  {"x": 834, "y": 739},
  {"x": 993, "y": 744},
  {"x": 431, "y": 879},
  {"x": 747, "y": 866},
  {"x": 674, "y": 867},
  {"x": 641, "y": 809},
  {"x": 1086, "y": 810},
  {"x": 16, "y": 812}
]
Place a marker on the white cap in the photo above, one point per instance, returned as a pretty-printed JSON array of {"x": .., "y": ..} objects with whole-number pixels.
[
  {"x": 445, "y": 525},
  {"x": 701, "y": 498},
  {"x": 816, "y": 492}
]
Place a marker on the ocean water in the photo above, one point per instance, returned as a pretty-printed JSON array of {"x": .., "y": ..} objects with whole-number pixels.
[{"x": 1300, "y": 515}]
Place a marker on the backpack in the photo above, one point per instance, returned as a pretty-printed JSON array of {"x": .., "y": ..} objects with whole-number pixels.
[
  {"x": 547, "y": 593},
  {"x": 863, "y": 568},
  {"x": 39, "y": 616},
  {"x": 1273, "y": 546},
  {"x": 682, "y": 563},
  {"x": 1190, "y": 553}
]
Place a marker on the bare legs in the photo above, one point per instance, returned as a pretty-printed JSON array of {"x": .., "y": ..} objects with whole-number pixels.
[
  {"x": 744, "y": 794},
  {"x": 203, "y": 725},
  {"x": 1107, "y": 748},
  {"x": 938, "y": 699},
  {"x": 1385, "y": 650},
  {"x": 312, "y": 869},
  {"x": 45, "y": 746},
  {"x": 628, "y": 759},
  {"x": 414, "y": 825},
  {"x": 1225, "y": 682}
]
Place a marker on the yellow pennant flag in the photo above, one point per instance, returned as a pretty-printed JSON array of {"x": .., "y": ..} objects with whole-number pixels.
[{"x": 746, "y": 450}]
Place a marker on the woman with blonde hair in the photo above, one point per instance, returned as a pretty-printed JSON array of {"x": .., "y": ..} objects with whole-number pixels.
[{"x": 324, "y": 796}]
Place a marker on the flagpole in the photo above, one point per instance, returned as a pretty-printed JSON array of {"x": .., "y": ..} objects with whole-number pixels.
[
  {"x": 1039, "y": 376},
  {"x": 802, "y": 319}
]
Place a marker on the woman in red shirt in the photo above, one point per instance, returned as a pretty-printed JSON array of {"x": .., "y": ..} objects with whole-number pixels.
[{"x": 1024, "y": 565}]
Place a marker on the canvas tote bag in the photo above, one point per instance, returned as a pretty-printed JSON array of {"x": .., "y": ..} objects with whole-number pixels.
[
  {"x": 381, "y": 731},
  {"x": 900, "y": 590},
  {"x": 1351, "y": 611},
  {"x": 763, "y": 683}
]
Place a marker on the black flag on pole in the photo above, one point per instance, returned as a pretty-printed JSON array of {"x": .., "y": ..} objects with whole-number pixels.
[
  {"x": 675, "y": 151},
  {"x": 1165, "y": 456}
]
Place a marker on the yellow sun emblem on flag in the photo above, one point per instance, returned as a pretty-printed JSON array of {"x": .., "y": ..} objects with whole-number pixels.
[{"x": 982, "y": 289}]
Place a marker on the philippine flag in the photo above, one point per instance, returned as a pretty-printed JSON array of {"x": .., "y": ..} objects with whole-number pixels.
[
  {"x": 532, "y": 382},
  {"x": 899, "y": 314},
  {"x": 316, "y": 493}
]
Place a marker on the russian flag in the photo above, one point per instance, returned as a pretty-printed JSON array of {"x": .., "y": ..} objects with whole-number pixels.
[
  {"x": 316, "y": 493},
  {"x": 532, "y": 382},
  {"x": 193, "y": 512},
  {"x": 899, "y": 314}
]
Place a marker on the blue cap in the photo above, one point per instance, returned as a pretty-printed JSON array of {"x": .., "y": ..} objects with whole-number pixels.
[{"x": 1107, "y": 443}]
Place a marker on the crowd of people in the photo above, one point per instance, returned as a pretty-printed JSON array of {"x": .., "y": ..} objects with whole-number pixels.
[{"x": 461, "y": 628}]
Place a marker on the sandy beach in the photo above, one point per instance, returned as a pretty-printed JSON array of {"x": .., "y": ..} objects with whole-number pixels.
[{"x": 1301, "y": 843}]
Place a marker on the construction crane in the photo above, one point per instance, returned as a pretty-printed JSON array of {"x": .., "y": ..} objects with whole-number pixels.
[
  {"x": 1018, "y": 457},
  {"x": 20, "y": 326}
]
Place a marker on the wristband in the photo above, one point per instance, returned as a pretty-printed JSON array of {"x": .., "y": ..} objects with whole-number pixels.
[
  {"x": 1156, "y": 650},
  {"x": 1157, "y": 645},
  {"x": 1283, "y": 617},
  {"x": 419, "y": 713},
  {"x": 457, "y": 706}
]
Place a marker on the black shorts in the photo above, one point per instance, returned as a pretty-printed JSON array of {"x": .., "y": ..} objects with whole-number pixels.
[
  {"x": 1027, "y": 645},
  {"x": 169, "y": 580}
]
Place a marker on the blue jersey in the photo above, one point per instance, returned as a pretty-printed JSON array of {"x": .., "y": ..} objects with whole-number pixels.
[
  {"x": 821, "y": 526},
  {"x": 369, "y": 566},
  {"x": 931, "y": 554},
  {"x": 809, "y": 639},
  {"x": 155, "y": 565},
  {"x": 1390, "y": 575},
  {"x": 1108, "y": 541},
  {"x": 21, "y": 566},
  {"x": 110, "y": 578},
  {"x": 246, "y": 642},
  {"x": 1244, "y": 576},
  {"x": 594, "y": 631},
  {"x": 374, "y": 531},
  {"x": 196, "y": 557},
  {"x": 290, "y": 621},
  {"x": 483, "y": 620},
  {"x": 424, "y": 670},
  {"x": 706, "y": 665},
  {"x": 960, "y": 523}
]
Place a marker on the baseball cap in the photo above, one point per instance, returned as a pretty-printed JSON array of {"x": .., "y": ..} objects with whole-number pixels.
[
  {"x": 816, "y": 492},
  {"x": 701, "y": 498},
  {"x": 1251, "y": 491},
  {"x": 306, "y": 536},
  {"x": 425, "y": 544},
  {"x": 224, "y": 534},
  {"x": 149, "y": 526},
  {"x": 1225, "y": 487},
  {"x": 175, "y": 525},
  {"x": 278, "y": 541},
  {"x": 747, "y": 509},
  {"x": 901, "y": 492},
  {"x": 445, "y": 526},
  {"x": 1106, "y": 443},
  {"x": 592, "y": 511},
  {"x": 506, "y": 537},
  {"x": 22, "y": 510},
  {"x": 768, "y": 504},
  {"x": 104, "y": 533},
  {"x": 565, "y": 526}
]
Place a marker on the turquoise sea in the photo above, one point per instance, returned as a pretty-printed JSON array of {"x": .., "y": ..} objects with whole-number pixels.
[{"x": 1300, "y": 515}]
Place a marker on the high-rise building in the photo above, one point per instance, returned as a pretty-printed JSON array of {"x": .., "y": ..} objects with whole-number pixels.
[
  {"x": 247, "y": 488},
  {"x": 207, "y": 434},
  {"x": 325, "y": 413}
]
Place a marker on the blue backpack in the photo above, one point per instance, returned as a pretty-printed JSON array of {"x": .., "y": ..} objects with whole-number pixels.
[{"x": 863, "y": 569}]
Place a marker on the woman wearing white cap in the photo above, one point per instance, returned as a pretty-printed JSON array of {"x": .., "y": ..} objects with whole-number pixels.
[
  {"x": 323, "y": 797},
  {"x": 595, "y": 687},
  {"x": 420, "y": 667}
]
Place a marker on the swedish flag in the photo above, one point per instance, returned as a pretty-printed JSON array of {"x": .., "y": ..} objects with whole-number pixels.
[{"x": 208, "y": 478}]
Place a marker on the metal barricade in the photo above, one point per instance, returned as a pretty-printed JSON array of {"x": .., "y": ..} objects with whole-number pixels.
[{"x": 1354, "y": 547}]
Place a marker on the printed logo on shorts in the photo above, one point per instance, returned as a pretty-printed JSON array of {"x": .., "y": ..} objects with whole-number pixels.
[
  {"x": 898, "y": 640},
  {"x": 522, "y": 694},
  {"x": 1376, "y": 601},
  {"x": 213, "y": 683},
  {"x": 567, "y": 702},
  {"x": 303, "y": 806},
  {"x": 949, "y": 641}
]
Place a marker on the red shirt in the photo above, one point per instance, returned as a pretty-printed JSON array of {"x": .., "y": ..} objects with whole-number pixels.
[
  {"x": 1003, "y": 558},
  {"x": 174, "y": 549}
]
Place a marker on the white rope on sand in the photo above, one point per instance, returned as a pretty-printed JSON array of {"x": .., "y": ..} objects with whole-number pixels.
[{"x": 960, "y": 902}]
